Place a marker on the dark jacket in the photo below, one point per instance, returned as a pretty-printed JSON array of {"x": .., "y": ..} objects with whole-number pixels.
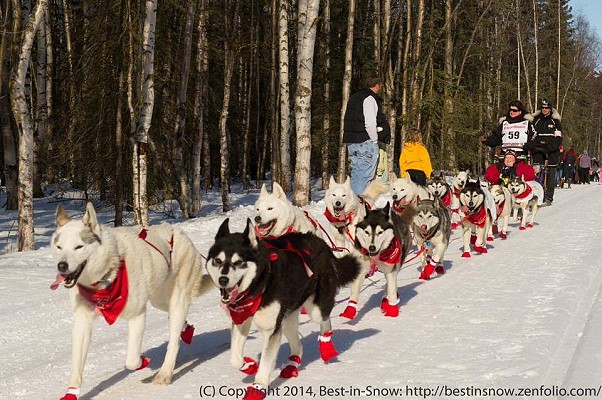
[
  {"x": 355, "y": 123},
  {"x": 500, "y": 138},
  {"x": 546, "y": 143}
]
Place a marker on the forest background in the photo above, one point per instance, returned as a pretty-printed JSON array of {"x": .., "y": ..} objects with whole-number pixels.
[{"x": 139, "y": 102}]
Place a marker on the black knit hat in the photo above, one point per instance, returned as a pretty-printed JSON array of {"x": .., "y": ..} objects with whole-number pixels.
[{"x": 546, "y": 104}]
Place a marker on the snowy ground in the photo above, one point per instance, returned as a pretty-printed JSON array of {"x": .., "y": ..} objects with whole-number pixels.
[{"x": 527, "y": 314}]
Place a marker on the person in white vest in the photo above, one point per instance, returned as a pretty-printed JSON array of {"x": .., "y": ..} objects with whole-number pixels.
[{"x": 514, "y": 131}]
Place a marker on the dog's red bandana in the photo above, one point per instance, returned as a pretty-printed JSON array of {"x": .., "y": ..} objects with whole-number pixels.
[
  {"x": 479, "y": 218},
  {"x": 524, "y": 196},
  {"x": 111, "y": 301},
  {"x": 243, "y": 307},
  {"x": 446, "y": 199},
  {"x": 340, "y": 222},
  {"x": 457, "y": 191},
  {"x": 391, "y": 255},
  {"x": 500, "y": 208}
]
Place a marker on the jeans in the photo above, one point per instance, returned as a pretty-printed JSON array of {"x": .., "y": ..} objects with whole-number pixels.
[{"x": 364, "y": 159}]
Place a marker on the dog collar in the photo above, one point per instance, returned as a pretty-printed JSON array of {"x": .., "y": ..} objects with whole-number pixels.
[
  {"x": 478, "y": 218},
  {"x": 111, "y": 301},
  {"x": 391, "y": 255},
  {"x": 457, "y": 191},
  {"x": 244, "y": 307},
  {"x": 338, "y": 222},
  {"x": 500, "y": 207}
]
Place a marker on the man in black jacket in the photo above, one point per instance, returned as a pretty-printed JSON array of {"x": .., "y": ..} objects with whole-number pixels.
[
  {"x": 365, "y": 125},
  {"x": 546, "y": 145}
]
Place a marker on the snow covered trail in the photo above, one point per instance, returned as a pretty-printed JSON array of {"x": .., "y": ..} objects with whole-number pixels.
[{"x": 527, "y": 313}]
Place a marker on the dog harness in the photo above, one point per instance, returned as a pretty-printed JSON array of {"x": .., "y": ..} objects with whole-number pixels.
[
  {"x": 244, "y": 307},
  {"x": 286, "y": 244},
  {"x": 143, "y": 234},
  {"x": 479, "y": 218},
  {"x": 339, "y": 223},
  {"x": 111, "y": 301},
  {"x": 446, "y": 199},
  {"x": 524, "y": 196},
  {"x": 500, "y": 207},
  {"x": 391, "y": 255}
]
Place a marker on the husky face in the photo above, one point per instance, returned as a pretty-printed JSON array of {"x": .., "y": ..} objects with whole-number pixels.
[
  {"x": 232, "y": 260},
  {"x": 273, "y": 213},
  {"x": 73, "y": 244},
  {"x": 427, "y": 215},
  {"x": 460, "y": 180},
  {"x": 437, "y": 186},
  {"x": 375, "y": 232},
  {"x": 497, "y": 192},
  {"x": 472, "y": 195},
  {"x": 403, "y": 190},
  {"x": 340, "y": 199},
  {"x": 517, "y": 185}
]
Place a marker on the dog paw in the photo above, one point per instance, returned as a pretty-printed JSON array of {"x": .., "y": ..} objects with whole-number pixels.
[
  {"x": 291, "y": 370},
  {"x": 250, "y": 366},
  {"x": 440, "y": 270},
  {"x": 254, "y": 392},
  {"x": 162, "y": 379},
  {"x": 72, "y": 394},
  {"x": 350, "y": 311},
  {"x": 187, "y": 334},
  {"x": 466, "y": 254},
  {"x": 503, "y": 235},
  {"x": 490, "y": 238},
  {"x": 427, "y": 272},
  {"x": 388, "y": 309},
  {"x": 327, "y": 350},
  {"x": 522, "y": 228},
  {"x": 144, "y": 362},
  {"x": 529, "y": 225},
  {"x": 479, "y": 249}
]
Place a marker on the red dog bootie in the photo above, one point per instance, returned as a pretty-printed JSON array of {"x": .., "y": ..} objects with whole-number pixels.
[
  {"x": 427, "y": 272},
  {"x": 144, "y": 362},
  {"x": 389, "y": 309},
  {"x": 522, "y": 228},
  {"x": 327, "y": 350},
  {"x": 466, "y": 254},
  {"x": 503, "y": 235},
  {"x": 187, "y": 333},
  {"x": 489, "y": 238},
  {"x": 529, "y": 225},
  {"x": 350, "y": 311},
  {"x": 440, "y": 269},
  {"x": 254, "y": 392},
  {"x": 250, "y": 366},
  {"x": 291, "y": 370},
  {"x": 479, "y": 249},
  {"x": 72, "y": 394}
]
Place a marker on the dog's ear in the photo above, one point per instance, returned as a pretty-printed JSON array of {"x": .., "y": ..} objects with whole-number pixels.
[
  {"x": 408, "y": 179},
  {"x": 264, "y": 190},
  {"x": 332, "y": 181},
  {"x": 348, "y": 181},
  {"x": 392, "y": 177},
  {"x": 386, "y": 209},
  {"x": 366, "y": 207},
  {"x": 90, "y": 219},
  {"x": 249, "y": 233},
  {"x": 224, "y": 229},
  {"x": 61, "y": 216},
  {"x": 278, "y": 192}
]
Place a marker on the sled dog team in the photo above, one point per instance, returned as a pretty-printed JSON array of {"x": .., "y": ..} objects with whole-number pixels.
[{"x": 281, "y": 264}]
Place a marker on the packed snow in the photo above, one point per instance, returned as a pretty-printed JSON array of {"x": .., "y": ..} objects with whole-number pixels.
[{"x": 526, "y": 317}]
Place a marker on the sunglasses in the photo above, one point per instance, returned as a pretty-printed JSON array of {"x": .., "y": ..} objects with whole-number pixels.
[
  {"x": 514, "y": 110},
  {"x": 545, "y": 108}
]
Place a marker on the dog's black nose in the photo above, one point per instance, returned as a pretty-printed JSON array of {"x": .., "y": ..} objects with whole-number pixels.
[
  {"x": 337, "y": 203},
  {"x": 258, "y": 219},
  {"x": 63, "y": 267},
  {"x": 372, "y": 248},
  {"x": 394, "y": 197},
  {"x": 223, "y": 280}
]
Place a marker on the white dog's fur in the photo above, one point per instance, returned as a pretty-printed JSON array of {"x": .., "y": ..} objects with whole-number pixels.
[
  {"x": 275, "y": 215},
  {"x": 164, "y": 268},
  {"x": 501, "y": 195},
  {"x": 529, "y": 204},
  {"x": 458, "y": 184},
  {"x": 405, "y": 192}
]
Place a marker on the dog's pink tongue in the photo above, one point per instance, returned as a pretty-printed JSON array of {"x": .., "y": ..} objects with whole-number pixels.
[
  {"x": 59, "y": 279},
  {"x": 233, "y": 294},
  {"x": 342, "y": 215}
]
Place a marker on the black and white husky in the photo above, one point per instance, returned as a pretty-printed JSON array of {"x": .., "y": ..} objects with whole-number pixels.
[
  {"x": 477, "y": 216},
  {"x": 528, "y": 196},
  {"x": 503, "y": 202},
  {"x": 386, "y": 239},
  {"x": 267, "y": 282},
  {"x": 440, "y": 189},
  {"x": 432, "y": 229}
]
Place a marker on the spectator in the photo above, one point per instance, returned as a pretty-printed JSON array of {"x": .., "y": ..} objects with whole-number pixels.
[
  {"x": 415, "y": 159},
  {"x": 363, "y": 117},
  {"x": 568, "y": 167},
  {"x": 560, "y": 168},
  {"x": 546, "y": 147},
  {"x": 585, "y": 163},
  {"x": 515, "y": 132}
]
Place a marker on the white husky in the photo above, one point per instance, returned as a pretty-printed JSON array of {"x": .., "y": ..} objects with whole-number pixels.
[
  {"x": 405, "y": 192},
  {"x": 276, "y": 216},
  {"x": 458, "y": 184},
  {"x": 114, "y": 272},
  {"x": 528, "y": 196},
  {"x": 503, "y": 203}
]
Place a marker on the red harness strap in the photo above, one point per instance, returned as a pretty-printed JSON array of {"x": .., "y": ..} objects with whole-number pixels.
[
  {"x": 391, "y": 255},
  {"x": 286, "y": 244},
  {"x": 499, "y": 208},
  {"x": 479, "y": 218},
  {"x": 111, "y": 301},
  {"x": 143, "y": 234},
  {"x": 524, "y": 194},
  {"x": 243, "y": 307}
]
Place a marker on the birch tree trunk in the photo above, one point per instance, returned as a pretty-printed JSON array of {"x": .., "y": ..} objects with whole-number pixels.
[
  {"x": 147, "y": 94},
  {"x": 326, "y": 116},
  {"x": 448, "y": 140},
  {"x": 536, "y": 45},
  {"x": 405, "y": 76},
  {"x": 24, "y": 124},
  {"x": 41, "y": 109},
  {"x": 341, "y": 170},
  {"x": 285, "y": 105},
  {"x": 417, "y": 54},
  {"x": 303, "y": 104},
  {"x": 69, "y": 47},
  {"x": 179, "y": 129},
  {"x": 276, "y": 165},
  {"x": 558, "y": 57},
  {"x": 202, "y": 69},
  {"x": 389, "y": 93}
]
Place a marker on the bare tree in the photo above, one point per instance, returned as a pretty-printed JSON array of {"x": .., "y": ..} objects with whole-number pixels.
[
  {"x": 25, "y": 126},
  {"x": 285, "y": 106},
  {"x": 341, "y": 170},
  {"x": 326, "y": 111}
]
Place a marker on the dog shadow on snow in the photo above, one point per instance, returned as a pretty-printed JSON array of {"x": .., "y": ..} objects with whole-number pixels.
[{"x": 204, "y": 347}]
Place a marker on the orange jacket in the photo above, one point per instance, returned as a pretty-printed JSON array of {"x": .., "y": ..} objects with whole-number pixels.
[{"x": 415, "y": 156}]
